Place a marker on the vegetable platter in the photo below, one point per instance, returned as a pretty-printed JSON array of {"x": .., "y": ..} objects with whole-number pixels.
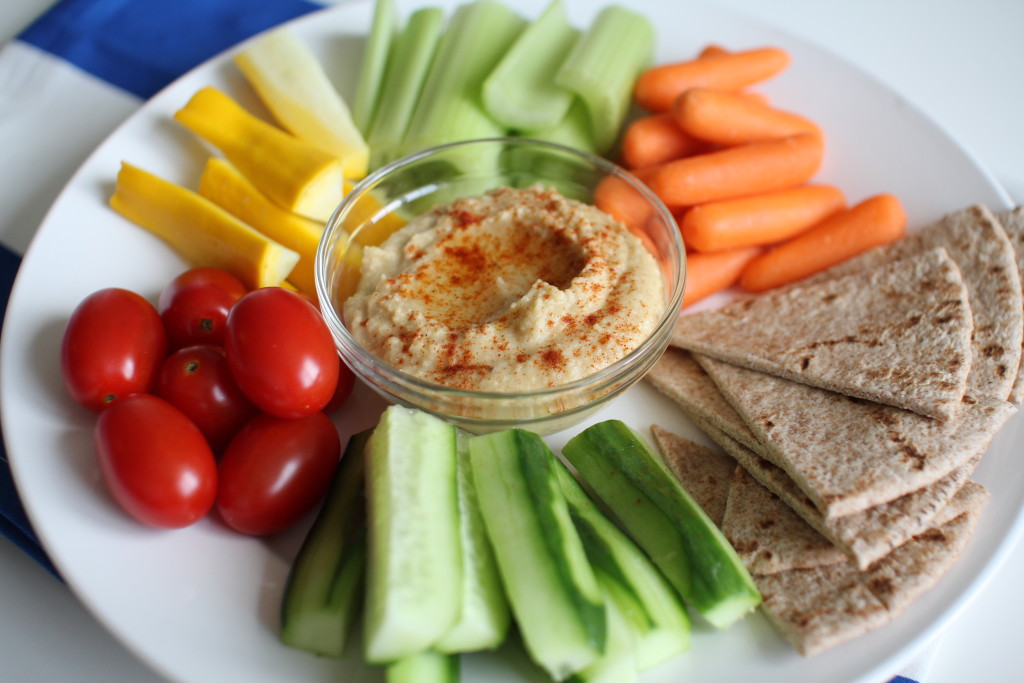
[{"x": 202, "y": 603}]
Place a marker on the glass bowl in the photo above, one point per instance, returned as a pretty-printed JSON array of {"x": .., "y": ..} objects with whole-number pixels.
[{"x": 386, "y": 199}]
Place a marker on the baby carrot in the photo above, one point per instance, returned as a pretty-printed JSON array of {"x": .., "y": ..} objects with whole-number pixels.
[
  {"x": 875, "y": 221},
  {"x": 760, "y": 219},
  {"x": 712, "y": 50},
  {"x": 727, "y": 118},
  {"x": 707, "y": 274},
  {"x": 623, "y": 202},
  {"x": 655, "y": 139},
  {"x": 738, "y": 171},
  {"x": 658, "y": 86}
]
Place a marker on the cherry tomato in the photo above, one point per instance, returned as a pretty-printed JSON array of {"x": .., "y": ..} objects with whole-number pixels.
[
  {"x": 281, "y": 353},
  {"x": 198, "y": 382},
  {"x": 194, "y": 306},
  {"x": 113, "y": 346},
  {"x": 346, "y": 382},
  {"x": 275, "y": 471},
  {"x": 155, "y": 462}
]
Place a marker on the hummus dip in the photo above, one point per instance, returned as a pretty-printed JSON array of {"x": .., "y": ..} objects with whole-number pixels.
[{"x": 514, "y": 290}]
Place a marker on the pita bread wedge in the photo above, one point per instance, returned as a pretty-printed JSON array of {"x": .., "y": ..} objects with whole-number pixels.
[
  {"x": 704, "y": 472},
  {"x": 899, "y": 334},
  {"x": 864, "y": 537},
  {"x": 847, "y": 454},
  {"x": 975, "y": 239},
  {"x": 815, "y": 609},
  {"x": 1013, "y": 224},
  {"x": 678, "y": 376},
  {"x": 768, "y": 535}
]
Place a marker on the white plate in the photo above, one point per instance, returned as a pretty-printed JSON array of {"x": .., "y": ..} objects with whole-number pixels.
[{"x": 201, "y": 604}]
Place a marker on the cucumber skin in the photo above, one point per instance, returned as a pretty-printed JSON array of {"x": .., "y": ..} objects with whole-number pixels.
[
  {"x": 703, "y": 566},
  {"x": 484, "y": 617},
  {"x": 656, "y": 612},
  {"x": 414, "y": 558},
  {"x": 424, "y": 667},
  {"x": 551, "y": 587},
  {"x": 337, "y": 539}
]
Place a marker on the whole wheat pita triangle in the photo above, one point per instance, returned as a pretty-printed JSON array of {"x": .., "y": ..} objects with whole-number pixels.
[
  {"x": 974, "y": 238},
  {"x": 848, "y": 454},
  {"x": 865, "y": 536},
  {"x": 1013, "y": 224},
  {"x": 827, "y": 601},
  {"x": 899, "y": 334},
  {"x": 816, "y": 609}
]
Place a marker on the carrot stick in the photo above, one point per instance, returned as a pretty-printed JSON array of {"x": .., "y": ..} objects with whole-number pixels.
[
  {"x": 726, "y": 118},
  {"x": 875, "y": 221},
  {"x": 623, "y": 202},
  {"x": 760, "y": 219},
  {"x": 655, "y": 139},
  {"x": 658, "y": 86},
  {"x": 738, "y": 171},
  {"x": 712, "y": 50},
  {"x": 707, "y": 274}
]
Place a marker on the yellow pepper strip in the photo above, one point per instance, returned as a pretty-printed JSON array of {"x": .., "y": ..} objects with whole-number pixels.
[
  {"x": 226, "y": 187},
  {"x": 292, "y": 84},
  {"x": 299, "y": 176},
  {"x": 368, "y": 228},
  {"x": 200, "y": 231}
]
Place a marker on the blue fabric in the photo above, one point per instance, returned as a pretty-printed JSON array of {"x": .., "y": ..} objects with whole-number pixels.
[
  {"x": 142, "y": 45},
  {"x": 902, "y": 679},
  {"x": 139, "y": 46},
  {"x": 13, "y": 522}
]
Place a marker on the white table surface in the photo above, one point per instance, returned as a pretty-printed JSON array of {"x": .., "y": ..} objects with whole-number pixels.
[{"x": 959, "y": 60}]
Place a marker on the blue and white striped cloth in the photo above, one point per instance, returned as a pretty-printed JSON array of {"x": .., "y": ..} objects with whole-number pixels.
[{"x": 76, "y": 73}]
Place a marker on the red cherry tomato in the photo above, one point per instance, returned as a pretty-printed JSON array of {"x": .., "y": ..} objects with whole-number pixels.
[
  {"x": 275, "y": 471},
  {"x": 113, "y": 346},
  {"x": 198, "y": 382},
  {"x": 194, "y": 306},
  {"x": 281, "y": 353},
  {"x": 346, "y": 382},
  {"x": 155, "y": 462}
]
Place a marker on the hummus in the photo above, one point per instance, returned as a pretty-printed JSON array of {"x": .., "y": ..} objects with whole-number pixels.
[{"x": 514, "y": 290}]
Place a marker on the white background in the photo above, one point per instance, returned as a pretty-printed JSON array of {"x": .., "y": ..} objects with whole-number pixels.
[{"x": 961, "y": 61}]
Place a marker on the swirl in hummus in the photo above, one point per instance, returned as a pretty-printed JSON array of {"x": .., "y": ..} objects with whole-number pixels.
[{"x": 514, "y": 290}]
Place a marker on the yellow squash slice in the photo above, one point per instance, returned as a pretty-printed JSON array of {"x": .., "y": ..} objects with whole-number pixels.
[
  {"x": 294, "y": 87},
  {"x": 225, "y": 186},
  {"x": 297, "y": 175},
  {"x": 203, "y": 233}
]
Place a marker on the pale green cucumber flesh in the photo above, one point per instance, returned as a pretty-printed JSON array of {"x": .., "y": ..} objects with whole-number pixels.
[
  {"x": 643, "y": 495},
  {"x": 658, "y": 617},
  {"x": 414, "y": 568},
  {"x": 324, "y": 589},
  {"x": 483, "y": 618},
  {"x": 550, "y": 585},
  {"x": 424, "y": 667}
]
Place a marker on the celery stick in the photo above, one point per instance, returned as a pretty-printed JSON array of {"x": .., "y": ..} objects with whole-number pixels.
[
  {"x": 450, "y": 109},
  {"x": 407, "y": 69},
  {"x": 378, "y": 48},
  {"x": 521, "y": 92},
  {"x": 574, "y": 130},
  {"x": 604, "y": 65}
]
